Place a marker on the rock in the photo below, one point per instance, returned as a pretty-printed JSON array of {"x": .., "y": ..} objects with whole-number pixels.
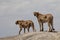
[{"x": 35, "y": 36}]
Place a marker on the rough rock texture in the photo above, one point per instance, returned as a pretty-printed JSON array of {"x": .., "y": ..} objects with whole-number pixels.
[{"x": 35, "y": 36}]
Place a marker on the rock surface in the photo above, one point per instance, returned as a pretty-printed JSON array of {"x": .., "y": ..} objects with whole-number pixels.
[{"x": 35, "y": 36}]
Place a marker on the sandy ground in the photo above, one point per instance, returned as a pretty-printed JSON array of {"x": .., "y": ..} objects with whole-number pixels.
[{"x": 35, "y": 36}]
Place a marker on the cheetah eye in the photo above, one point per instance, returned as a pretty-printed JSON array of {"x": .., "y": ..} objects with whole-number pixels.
[
  {"x": 26, "y": 22},
  {"x": 20, "y": 23}
]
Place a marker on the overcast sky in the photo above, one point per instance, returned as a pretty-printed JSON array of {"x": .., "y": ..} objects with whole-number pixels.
[{"x": 12, "y": 10}]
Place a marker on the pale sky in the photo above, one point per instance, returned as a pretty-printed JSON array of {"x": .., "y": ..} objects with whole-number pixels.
[{"x": 12, "y": 10}]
